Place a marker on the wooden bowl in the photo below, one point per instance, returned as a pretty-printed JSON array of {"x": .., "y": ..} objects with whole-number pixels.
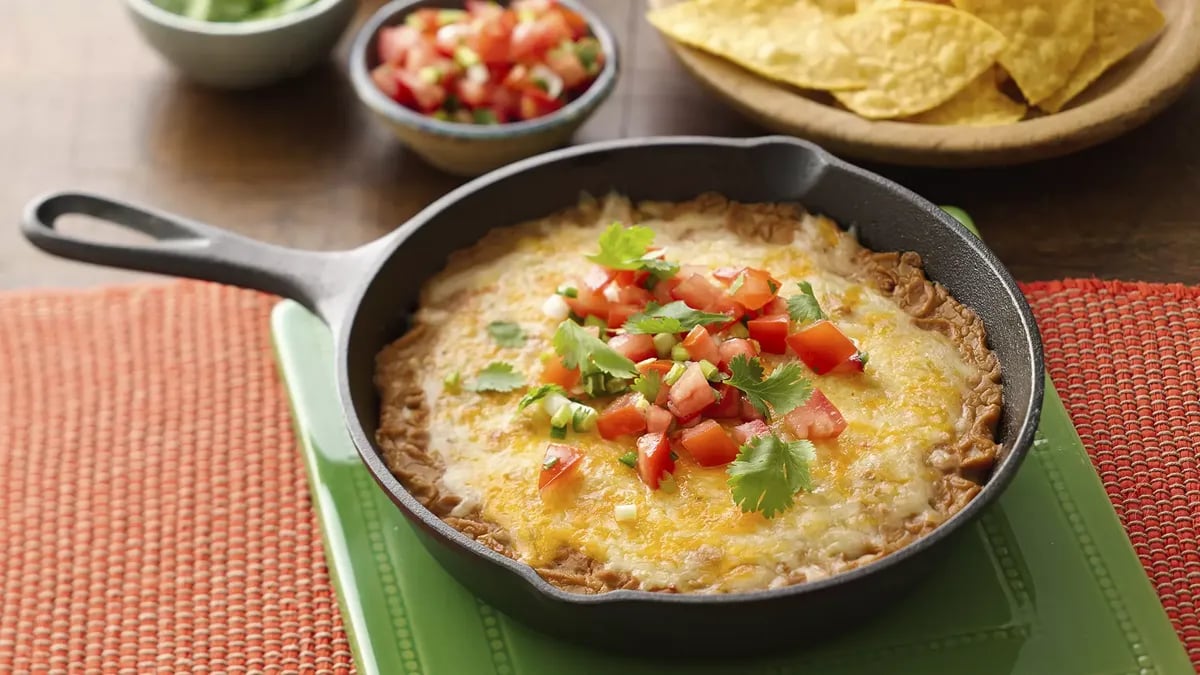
[{"x": 1126, "y": 96}]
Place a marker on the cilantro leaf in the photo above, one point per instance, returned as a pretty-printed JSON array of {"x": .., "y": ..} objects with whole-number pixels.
[
  {"x": 784, "y": 390},
  {"x": 674, "y": 317},
  {"x": 580, "y": 349},
  {"x": 648, "y": 384},
  {"x": 768, "y": 472},
  {"x": 804, "y": 307},
  {"x": 659, "y": 269},
  {"x": 538, "y": 394},
  {"x": 621, "y": 248},
  {"x": 506, "y": 333},
  {"x": 498, "y": 376}
]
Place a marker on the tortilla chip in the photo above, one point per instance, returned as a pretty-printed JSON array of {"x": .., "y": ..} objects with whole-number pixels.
[
  {"x": 918, "y": 56},
  {"x": 1046, "y": 39},
  {"x": 1121, "y": 26},
  {"x": 980, "y": 104},
  {"x": 783, "y": 40}
]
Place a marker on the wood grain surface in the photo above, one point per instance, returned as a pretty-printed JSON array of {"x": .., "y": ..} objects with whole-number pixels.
[{"x": 85, "y": 104}]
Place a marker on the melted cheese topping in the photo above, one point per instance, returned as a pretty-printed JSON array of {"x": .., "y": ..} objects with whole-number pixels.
[{"x": 869, "y": 483}]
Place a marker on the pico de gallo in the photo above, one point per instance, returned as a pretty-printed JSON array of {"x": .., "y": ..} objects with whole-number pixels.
[
  {"x": 488, "y": 64},
  {"x": 672, "y": 358}
]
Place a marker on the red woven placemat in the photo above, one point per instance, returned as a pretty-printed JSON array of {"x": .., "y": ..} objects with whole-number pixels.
[{"x": 154, "y": 513}]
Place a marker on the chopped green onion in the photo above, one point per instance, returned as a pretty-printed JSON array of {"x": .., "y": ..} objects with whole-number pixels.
[
  {"x": 568, "y": 291},
  {"x": 663, "y": 342},
  {"x": 453, "y": 381},
  {"x": 583, "y": 418},
  {"x": 595, "y": 384},
  {"x": 679, "y": 353},
  {"x": 710, "y": 371},
  {"x": 593, "y": 320},
  {"x": 738, "y": 330},
  {"x": 449, "y": 16},
  {"x": 675, "y": 373},
  {"x": 616, "y": 386},
  {"x": 641, "y": 403},
  {"x": 465, "y": 56},
  {"x": 484, "y": 116},
  {"x": 558, "y": 433},
  {"x": 550, "y": 463},
  {"x": 588, "y": 51},
  {"x": 431, "y": 75},
  {"x": 562, "y": 417},
  {"x": 442, "y": 115},
  {"x": 629, "y": 459},
  {"x": 625, "y": 512},
  {"x": 737, "y": 283}
]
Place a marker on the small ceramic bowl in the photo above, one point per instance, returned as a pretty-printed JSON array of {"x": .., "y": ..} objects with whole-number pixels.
[
  {"x": 242, "y": 55},
  {"x": 474, "y": 149}
]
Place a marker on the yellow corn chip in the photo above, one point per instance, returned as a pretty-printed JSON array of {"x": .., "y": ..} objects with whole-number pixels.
[
  {"x": 1121, "y": 26},
  {"x": 918, "y": 56},
  {"x": 980, "y": 104},
  {"x": 783, "y": 40},
  {"x": 1046, "y": 39}
]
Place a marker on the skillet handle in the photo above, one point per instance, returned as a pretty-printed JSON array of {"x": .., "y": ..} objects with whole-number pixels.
[{"x": 182, "y": 247}]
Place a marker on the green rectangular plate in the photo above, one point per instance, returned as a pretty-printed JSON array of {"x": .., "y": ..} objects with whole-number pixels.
[{"x": 1045, "y": 582}]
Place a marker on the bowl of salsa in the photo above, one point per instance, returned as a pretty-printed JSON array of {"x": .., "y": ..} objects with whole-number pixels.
[{"x": 471, "y": 86}]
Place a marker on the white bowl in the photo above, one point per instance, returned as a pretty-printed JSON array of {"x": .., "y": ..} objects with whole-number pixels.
[{"x": 242, "y": 55}]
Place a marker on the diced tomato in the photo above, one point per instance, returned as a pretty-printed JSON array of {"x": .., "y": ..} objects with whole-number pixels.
[
  {"x": 451, "y": 36},
  {"x": 751, "y": 429},
  {"x": 428, "y": 96},
  {"x": 854, "y": 364},
  {"x": 491, "y": 38},
  {"x": 728, "y": 404},
  {"x": 776, "y": 306},
  {"x": 757, "y": 288},
  {"x": 822, "y": 346},
  {"x": 690, "y": 394},
  {"x": 726, "y": 275},
  {"x": 618, "y": 314},
  {"x": 474, "y": 94},
  {"x": 395, "y": 42},
  {"x": 587, "y": 303},
  {"x": 504, "y": 104},
  {"x": 700, "y": 346},
  {"x": 621, "y": 417},
  {"x": 662, "y": 366},
  {"x": 384, "y": 76},
  {"x": 658, "y": 420},
  {"x": 561, "y": 462},
  {"x": 598, "y": 277},
  {"x": 634, "y": 347},
  {"x": 726, "y": 305},
  {"x": 554, "y": 372},
  {"x": 654, "y": 458},
  {"x": 816, "y": 419},
  {"x": 566, "y": 64},
  {"x": 535, "y": 105},
  {"x": 663, "y": 290},
  {"x": 770, "y": 332},
  {"x": 634, "y": 295},
  {"x": 697, "y": 292},
  {"x": 734, "y": 347},
  {"x": 531, "y": 38},
  {"x": 749, "y": 412},
  {"x": 709, "y": 444},
  {"x": 578, "y": 26}
]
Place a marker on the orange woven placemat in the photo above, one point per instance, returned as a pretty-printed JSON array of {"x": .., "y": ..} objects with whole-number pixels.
[{"x": 154, "y": 513}]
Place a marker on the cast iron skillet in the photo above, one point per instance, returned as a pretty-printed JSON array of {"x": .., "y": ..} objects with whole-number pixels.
[{"x": 366, "y": 295}]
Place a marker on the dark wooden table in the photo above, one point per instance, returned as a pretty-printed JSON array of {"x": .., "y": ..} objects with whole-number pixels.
[{"x": 84, "y": 104}]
